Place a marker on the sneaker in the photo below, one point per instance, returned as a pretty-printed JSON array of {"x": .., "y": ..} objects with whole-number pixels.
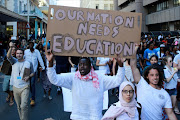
[
  {"x": 44, "y": 95},
  {"x": 50, "y": 98},
  {"x": 32, "y": 103}
]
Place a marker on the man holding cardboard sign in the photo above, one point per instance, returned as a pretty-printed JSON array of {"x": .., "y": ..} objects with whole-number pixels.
[
  {"x": 90, "y": 33},
  {"x": 87, "y": 87}
]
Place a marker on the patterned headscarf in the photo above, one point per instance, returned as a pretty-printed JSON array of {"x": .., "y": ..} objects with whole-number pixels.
[{"x": 90, "y": 76}]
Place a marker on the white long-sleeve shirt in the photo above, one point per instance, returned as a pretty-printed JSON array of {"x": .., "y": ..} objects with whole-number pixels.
[
  {"x": 87, "y": 101},
  {"x": 34, "y": 57}
]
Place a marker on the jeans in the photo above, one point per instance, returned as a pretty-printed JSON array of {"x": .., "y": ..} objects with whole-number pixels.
[
  {"x": 21, "y": 96},
  {"x": 32, "y": 88}
]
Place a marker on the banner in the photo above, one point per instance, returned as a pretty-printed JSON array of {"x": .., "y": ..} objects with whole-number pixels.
[{"x": 91, "y": 32}]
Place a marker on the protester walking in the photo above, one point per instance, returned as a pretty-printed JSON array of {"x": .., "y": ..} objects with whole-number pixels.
[
  {"x": 33, "y": 55},
  {"x": 7, "y": 69},
  {"x": 22, "y": 71},
  {"x": 87, "y": 87},
  {"x": 150, "y": 93},
  {"x": 126, "y": 108},
  {"x": 171, "y": 80}
]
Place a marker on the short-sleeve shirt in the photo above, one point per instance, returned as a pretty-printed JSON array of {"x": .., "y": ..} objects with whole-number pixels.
[
  {"x": 152, "y": 101},
  {"x": 17, "y": 74},
  {"x": 148, "y": 53},
  {"x": 173, "y": 82}
]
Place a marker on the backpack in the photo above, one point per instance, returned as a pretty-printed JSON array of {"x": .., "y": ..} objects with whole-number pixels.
[
  {"x": 6, "y": 67},
  {"x": 139, "y": 107}
]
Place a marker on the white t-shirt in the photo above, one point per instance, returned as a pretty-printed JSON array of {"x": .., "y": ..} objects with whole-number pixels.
[
  {"x": 17, "y": 74},
  {"x": 34, "y": 57},
  {"x": 152, "y": 101},
  {"x": 87, "y": 101},
  {"x": 105, "y": 68},
  {"x": 128, "y": 73},
  {"x": 173, "y": 82}
]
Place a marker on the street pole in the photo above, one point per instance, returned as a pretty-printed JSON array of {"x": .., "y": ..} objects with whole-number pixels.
[
  {"x": 115, "y": 4},
  {"x": 28, "y": 18}
]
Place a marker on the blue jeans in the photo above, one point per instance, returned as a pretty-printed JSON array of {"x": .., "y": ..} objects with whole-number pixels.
[{"x": 32, "y": 88}]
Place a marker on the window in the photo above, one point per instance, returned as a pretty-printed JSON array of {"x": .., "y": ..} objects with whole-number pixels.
[
  {"x": 20, "y": 6},
  {"x": 25, "y": 7},
  {"x": 152, "y": 8},
  {"x": 162, "y": 6},
  {"x": 111, "y": 7},
  {"x": 164, "y": 26},
  {"x": 176, "y": 3},
  {"x": 97, "y": 6},
  {"x": 177, "y": 25},
  {"x": 105, "y": 6}
]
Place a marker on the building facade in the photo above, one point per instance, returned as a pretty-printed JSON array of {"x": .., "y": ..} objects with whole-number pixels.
[
  {"x": 16, "y": 23},
  {"x": 97, "y": 4},
  {"x": 157, "y": 15}
]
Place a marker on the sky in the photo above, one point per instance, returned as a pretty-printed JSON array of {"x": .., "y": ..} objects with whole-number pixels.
[{"x": 72, "y": 3}]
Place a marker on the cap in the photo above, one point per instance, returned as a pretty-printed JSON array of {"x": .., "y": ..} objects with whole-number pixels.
[
  {"x": 162, "y": 45},
  {"x": 13, "y": 38}
]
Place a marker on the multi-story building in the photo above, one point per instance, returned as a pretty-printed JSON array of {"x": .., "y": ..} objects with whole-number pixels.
[
  {"x": 97, "y": 4},
  {"x": 18, "y": 13},
  {"x": 8, "y": 15},
  {"x": 158, "y": 15}
]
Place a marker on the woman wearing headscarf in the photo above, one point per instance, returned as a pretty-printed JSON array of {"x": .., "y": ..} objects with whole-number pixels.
[{"x": 126, "y": 107}]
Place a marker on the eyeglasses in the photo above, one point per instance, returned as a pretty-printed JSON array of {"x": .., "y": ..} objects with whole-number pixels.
[{"x": 128, "y": 91}]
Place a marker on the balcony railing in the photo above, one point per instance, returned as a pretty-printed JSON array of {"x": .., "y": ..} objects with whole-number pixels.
[{"x": 36, "y": 12}]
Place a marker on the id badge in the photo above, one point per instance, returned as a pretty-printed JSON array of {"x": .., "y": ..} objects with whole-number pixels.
[{"x": 18, "y": 77}]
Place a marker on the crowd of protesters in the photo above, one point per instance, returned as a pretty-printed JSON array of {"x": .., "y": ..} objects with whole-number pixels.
[{"x": 147, "y": 87}]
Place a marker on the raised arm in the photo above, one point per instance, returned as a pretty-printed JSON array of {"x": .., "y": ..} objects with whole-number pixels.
[
  {"x": 135, "y": 71},
  {"x": 11, "y": 45},
  {"x": 115, "y": 81},
  {"x": 69, "y": 59},
  {"x": 63, "y": 80},
  {"x": 9, "y": 56},
  {"x": 114, "y": 67}
]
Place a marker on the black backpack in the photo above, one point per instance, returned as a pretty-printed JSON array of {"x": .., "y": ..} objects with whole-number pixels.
[{"x": 6, "y": 67}]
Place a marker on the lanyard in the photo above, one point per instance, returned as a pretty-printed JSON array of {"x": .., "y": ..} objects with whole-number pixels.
[{"x": 20, "y": 69}]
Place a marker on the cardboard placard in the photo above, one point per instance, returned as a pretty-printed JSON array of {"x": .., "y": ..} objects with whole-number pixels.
[{"x": 92, "y": 33}]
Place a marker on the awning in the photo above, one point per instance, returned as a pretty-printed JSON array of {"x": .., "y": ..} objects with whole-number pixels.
[{"x": 9, "y": 16}]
